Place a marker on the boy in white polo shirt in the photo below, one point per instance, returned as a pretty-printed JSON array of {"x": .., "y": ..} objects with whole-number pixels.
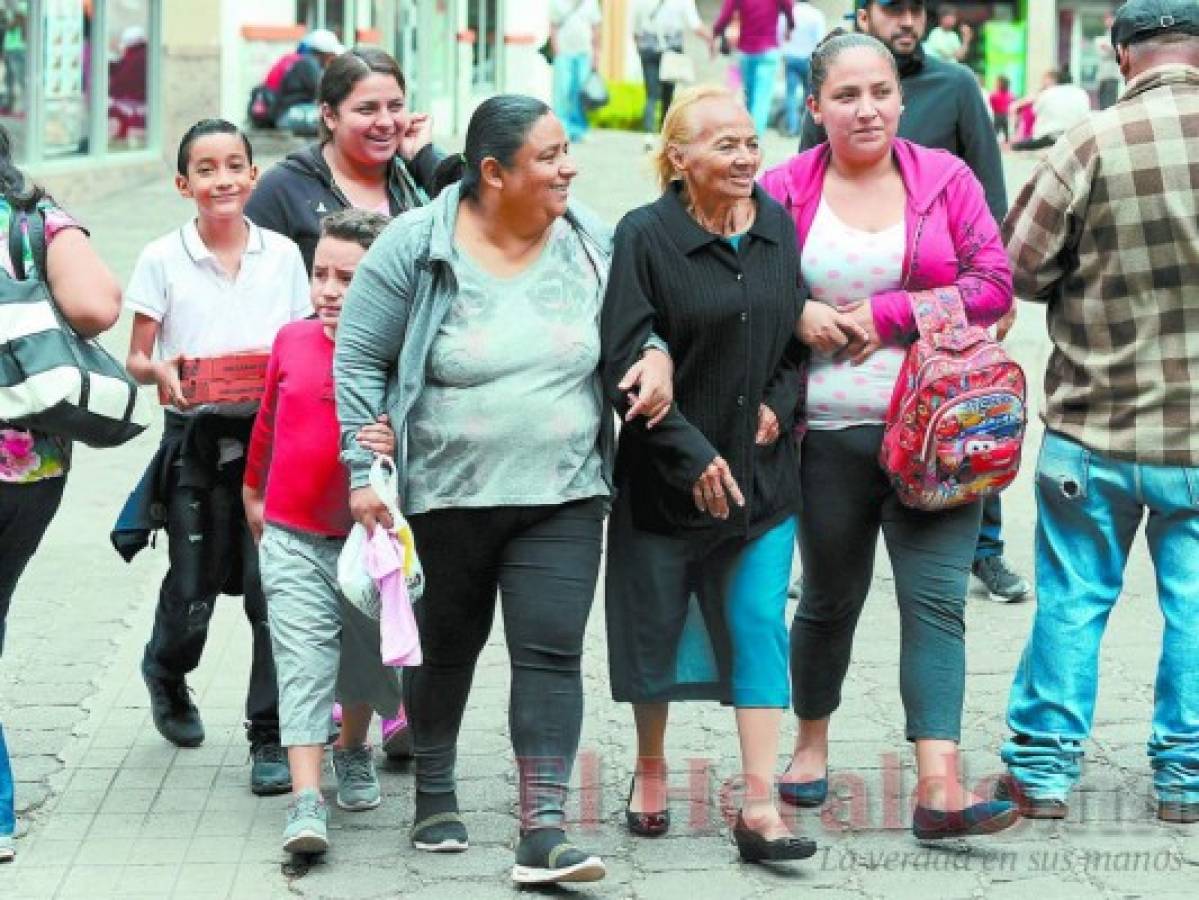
[{"x": 219, "y": 284}]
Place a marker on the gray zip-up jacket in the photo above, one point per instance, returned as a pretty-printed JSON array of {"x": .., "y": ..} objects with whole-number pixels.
[{"x": 400, "y": 295}]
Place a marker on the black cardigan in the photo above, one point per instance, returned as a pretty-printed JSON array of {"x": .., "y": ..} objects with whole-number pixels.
[
  {"x": 297, "y": 192},
  {"x": 729, "y": 319}
]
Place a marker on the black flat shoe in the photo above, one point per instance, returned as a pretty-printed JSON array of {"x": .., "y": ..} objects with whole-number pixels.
[
  {"x": 645, "y": 824},
  {"x": 754, "y": 847},
  {"x": 1010, "y": 790},
  {"x": 987, "y": 817}
]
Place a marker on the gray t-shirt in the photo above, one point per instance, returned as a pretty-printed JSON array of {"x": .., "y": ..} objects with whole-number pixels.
[{"x": 510, "y": 413}]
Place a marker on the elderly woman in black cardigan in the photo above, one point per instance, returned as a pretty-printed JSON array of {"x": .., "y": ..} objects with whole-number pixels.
[{"x": 703, "y": 524}]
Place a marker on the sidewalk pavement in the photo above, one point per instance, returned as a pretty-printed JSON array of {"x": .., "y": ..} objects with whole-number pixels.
[{"x": 109, "y": 809}]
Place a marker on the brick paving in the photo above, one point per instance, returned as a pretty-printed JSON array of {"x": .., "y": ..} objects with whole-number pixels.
[{"x": 108, "y": 809}]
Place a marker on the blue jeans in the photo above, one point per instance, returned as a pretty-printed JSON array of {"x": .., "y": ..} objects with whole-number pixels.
[
  {"x": 1089, "y": 508},
  {"x": 990, "y": 533},
  {"x": 796, "y": 68},
  {"x": 8, "y": 816},
  {"x": 570, "y": 72},
  {"x": 757, "y": 75}
]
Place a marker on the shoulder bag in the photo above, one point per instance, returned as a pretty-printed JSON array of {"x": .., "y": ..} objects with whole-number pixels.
[{"x": 52, "y": 379}]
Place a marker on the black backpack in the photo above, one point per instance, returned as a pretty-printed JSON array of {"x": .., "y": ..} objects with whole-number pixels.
[{"x": 262, "y": 107}]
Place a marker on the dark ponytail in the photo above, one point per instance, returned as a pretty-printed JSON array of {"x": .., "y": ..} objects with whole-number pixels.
[
  {"x": 498, "y": 130},
  {"x": 16, "y": 189}
]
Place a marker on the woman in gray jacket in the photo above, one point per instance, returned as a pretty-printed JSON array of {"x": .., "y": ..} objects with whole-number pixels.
[{"x": 477, "y": 318}]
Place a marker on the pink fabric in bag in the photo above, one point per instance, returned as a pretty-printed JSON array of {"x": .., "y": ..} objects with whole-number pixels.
[{"x": 399, "y": 639}]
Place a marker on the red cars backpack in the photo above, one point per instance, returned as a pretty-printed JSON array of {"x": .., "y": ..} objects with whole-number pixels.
[{"x": 956, "y": 420}]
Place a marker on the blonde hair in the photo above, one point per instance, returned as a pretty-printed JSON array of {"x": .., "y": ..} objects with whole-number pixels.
[{"x": 678, "y": 128}]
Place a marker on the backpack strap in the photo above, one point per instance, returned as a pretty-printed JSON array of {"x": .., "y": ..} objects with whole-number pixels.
[
  {"x": 16, "y": 244},
  {"x": 939, "y": 310},
  {"x": 37, "y": 242}
]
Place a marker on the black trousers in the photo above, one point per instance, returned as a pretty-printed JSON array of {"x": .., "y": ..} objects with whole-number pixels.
[
  {"x": 25, "y": 514},
  {"x": 544, "y": 560},
  {"x": 209, "y": 546},
  {"x": 655, "y": 90}
]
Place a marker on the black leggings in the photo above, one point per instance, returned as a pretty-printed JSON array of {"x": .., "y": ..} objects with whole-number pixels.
[
  {"x": 544, "y": 560},
  {"x": 25, "y": 514},
  {"x": 847, "y": 501}
]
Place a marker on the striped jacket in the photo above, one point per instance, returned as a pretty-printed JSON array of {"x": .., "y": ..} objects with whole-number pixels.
[{"x": 1106, "y": 233}]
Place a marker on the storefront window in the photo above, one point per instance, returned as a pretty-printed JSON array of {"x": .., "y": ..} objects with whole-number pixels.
[
  {"x": 127, "y": 46},
  {"x": 14, "y": 43},
  {"x": 68, "y": 43}
]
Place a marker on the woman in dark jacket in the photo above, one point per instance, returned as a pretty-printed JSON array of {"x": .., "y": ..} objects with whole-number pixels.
[
  {"x": 373, "y": 153},
  {"x": 703, "y": 524}
]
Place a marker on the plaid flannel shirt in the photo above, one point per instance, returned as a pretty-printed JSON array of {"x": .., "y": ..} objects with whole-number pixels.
[{"x": 1107, "y": 234}]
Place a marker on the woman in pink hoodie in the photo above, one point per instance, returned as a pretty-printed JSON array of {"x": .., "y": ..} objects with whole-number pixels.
[{"x": 876, "y": 219}]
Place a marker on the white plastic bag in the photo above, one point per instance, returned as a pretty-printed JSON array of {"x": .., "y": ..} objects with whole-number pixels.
[{"x": 352, "y": 576}]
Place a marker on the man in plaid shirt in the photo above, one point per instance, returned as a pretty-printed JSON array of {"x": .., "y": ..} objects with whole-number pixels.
[{"x": 1107, "y": 235}]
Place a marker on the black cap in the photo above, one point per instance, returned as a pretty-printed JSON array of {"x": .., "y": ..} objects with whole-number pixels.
[{"x": 1139, "y": 20}]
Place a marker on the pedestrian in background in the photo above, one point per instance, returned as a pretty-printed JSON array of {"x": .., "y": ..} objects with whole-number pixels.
[
  {"x": 373, "y": 153},
  {"x": 1058, "y": 107},
  {"x": 867, "y": 206},
  {"x": 474, "y": 324},
  {"x": 33, "y": 465},
  {"x": 1105, "y": 235},
  {"x": 706, "y": 499},
  {"x": 574, "y": 46},
  {"x": 758, "y": 42},
  {"x": 943, "y": 108},
  {"x": 297, "y": 501},
  {"x": 218, "y": 284},
  {"x": 810, "y": 26},
  {"x": 659, "y": 27},
  {"x": 950, "y": 40},
  {"x": 297, "y": 102},
  {"x": 1000, "y": 101}
]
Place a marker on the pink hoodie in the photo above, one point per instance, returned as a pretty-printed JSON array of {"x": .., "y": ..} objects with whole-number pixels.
[{"x": 951, "y": 237}]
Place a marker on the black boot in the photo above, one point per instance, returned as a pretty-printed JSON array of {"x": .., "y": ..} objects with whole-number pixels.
[{"x": 175, "y": 716}]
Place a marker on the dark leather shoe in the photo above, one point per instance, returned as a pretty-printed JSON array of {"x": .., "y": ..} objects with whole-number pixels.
[
  {"x": 804, "y": 793},
  {"x": 174, "y": 714},
  {"x": 987, "y": 817},
  {"x": 645, "y": 824},
  {"x": 754, "y": 847},
  {"x": 1178, "y": 812},
  {"x": 1011, "y": 791},
  {"x": 269, "y": 773}
]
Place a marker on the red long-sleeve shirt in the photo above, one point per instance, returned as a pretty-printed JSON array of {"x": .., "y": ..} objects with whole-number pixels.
[
  {"x": 758, "y": 21},
  {"x": 295, "y": 443}
]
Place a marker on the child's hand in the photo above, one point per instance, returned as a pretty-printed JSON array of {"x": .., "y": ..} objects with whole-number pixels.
[
  {"x": 378, "y": 437},
  {"x": 166, "y": 376},
  {"x": 255, "y": 506}
]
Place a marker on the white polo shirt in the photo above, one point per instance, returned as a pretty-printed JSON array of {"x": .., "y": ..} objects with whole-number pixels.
[{"x": 201, "y": 310}]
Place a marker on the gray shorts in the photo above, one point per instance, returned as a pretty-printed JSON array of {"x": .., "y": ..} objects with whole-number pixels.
[{"x": 324, "y": 648}]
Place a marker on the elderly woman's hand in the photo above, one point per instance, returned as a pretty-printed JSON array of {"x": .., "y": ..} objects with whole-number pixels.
[
  {"x": 709, "y": 490},
  {"x": 653, "y": 378},
  {"x": 861, "y": 316},
  {"x": 826, "y": 330}
]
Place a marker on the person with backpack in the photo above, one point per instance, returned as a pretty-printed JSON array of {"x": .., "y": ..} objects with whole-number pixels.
[
  {"x": 287, "y": 97},
  {"x": 879, "y": 221},
  {"x": 34, "y": 465}
]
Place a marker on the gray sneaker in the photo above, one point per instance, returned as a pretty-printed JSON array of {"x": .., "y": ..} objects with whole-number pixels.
[
  {"x": 357, "y": 783},
  {"x": 1001, "y": 582},
  {"x": 307, "y": 824},
  {"x": 8, "y": 848}
]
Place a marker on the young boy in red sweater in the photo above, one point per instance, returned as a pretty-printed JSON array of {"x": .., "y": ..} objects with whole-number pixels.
[{"x": 297, "y": 501}]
